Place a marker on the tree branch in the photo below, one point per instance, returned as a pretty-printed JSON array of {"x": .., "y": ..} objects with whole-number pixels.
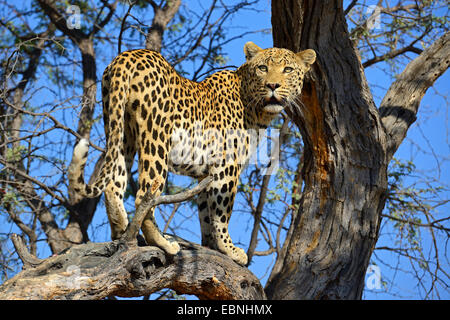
[
  {"x": 122, "y": 27},
  {"x": 22, "y": 181},
  {"x": 98, "y": 270},
  {"x": 392, "y": 54},
  {"x": 400, "y": 105},
  {"x": 29, "y": 261},
  {"x": 161, "y": 18},
  {"x": 149, "y": 201},
  {"x": 24, "y": 175},
  {"x": 350, "y": 7},
  {"x": 78, "y": 223},
  {"x": 101, "y": 24}
]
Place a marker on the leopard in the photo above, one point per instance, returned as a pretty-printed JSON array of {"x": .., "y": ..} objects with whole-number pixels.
[{"x": 198, "y": 129}]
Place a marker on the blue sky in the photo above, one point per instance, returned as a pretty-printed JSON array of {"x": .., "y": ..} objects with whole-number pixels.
[{"x": 431, "y": 134}]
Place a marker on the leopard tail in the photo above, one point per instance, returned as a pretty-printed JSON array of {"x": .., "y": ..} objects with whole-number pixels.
[{"x": 113, "y": 113}]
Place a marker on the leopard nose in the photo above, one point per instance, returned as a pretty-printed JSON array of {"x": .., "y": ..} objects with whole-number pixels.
[{"x": 273, "y": 86}]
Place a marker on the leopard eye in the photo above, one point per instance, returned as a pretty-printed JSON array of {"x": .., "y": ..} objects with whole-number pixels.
[
  {"x": 263, "y": 68},
  {"x": 288, "y": 70}
]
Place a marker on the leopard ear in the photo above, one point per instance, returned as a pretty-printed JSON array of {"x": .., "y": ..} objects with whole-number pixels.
[
  {"x": 307, "y": 56},
  {"x": 250, "y": 50}
]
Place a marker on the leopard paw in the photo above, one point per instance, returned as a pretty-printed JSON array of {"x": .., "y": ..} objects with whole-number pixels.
[
  {"x": 171, "y": 246},
  {"x": 238, "y": 255}
]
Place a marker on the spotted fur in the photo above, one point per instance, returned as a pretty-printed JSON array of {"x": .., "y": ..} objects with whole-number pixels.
[{"x": 195, "y": 129}]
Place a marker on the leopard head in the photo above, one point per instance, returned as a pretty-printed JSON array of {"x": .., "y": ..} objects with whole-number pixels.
[{"x": 274, "y": 76}]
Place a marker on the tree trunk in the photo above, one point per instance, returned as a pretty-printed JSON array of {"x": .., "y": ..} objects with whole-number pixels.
[
  {"x": 345, "y": 165},
  {"x": 348, "y": 145}
]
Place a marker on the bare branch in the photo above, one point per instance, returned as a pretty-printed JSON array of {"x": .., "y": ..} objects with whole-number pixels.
[
  {"x": 22, "y": 181},
  {"x": 149, "y": 202},
  {"x": 98, "y": 270},
  {"x": 101, "y": 24},
  {"x": 400, "y": 105},
  {"x": 28, "y": 259},
  {"x": 350, "y": 7},
  {"x": 432, "y": 224},
  {"x": 57, "y": 124},
  {"x": 262, "y": 198},
  {"x": 392, "y": 54},
  {"x": 122, "y": 27},
  {"x": 33, "y": 180},
  {"x": 161, "y": 18},
  {"x": 31, "y": 234}
]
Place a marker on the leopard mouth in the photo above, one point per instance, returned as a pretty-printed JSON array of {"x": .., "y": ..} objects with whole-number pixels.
[{"x": 272, "y": 105}]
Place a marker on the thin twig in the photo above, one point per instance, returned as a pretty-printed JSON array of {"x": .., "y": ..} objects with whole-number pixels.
[
  {"x": 58, "y": 125},
  {"x": 172, "y": 214},
  {"x": 35, "y": 181},
  {"x": 122, "y": 27}
]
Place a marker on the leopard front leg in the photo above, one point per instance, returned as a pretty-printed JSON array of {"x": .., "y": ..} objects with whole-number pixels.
[{"x": 220, "y": 196}]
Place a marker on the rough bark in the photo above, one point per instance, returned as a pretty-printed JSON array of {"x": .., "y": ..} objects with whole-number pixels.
[
  {"x": 345, "y": 160},
  {"x": 94, "y": 271}
]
